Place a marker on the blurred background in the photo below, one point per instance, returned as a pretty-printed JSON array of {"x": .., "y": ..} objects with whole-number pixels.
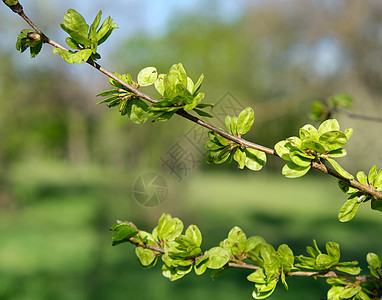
[{"x": 69, "y": 168}]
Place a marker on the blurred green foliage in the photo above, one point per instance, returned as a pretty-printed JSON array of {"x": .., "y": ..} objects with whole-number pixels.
[
  {"x": 67, "y": 166},
  {"x": 55, "y": 242}
]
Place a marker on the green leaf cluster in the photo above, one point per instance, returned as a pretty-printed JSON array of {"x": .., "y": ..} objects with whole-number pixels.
[
  {"x": 175, "y": 95},
  {"x": 274, "y": 265},
  {"x": 320, "y": 145},
  {"x": 135, "y": 108},
  {"x": 29, "y": 39},
  {"x": 181, "y": 253},
  {"x": 374, "y": 265},
  {"x": 346, "y": 289},
  {"x": 221, "y": 149},
  {"x": 326, "y": 262},
  {"x": 84, "y": 38},
  {"x": 322, "y": 111},
  {"x": 123, "y": 231},
  {"x": 356, "y": 196},
  {"x": 351, "y": 288},
  {"x": 177, "y": 90}
]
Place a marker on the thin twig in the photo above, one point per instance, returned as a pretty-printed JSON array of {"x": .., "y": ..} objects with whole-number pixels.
[
  {"x": 242, "y": 142},
  {"x": 321, "y": 167},
  {"x": 330, "y": 274},
  {"x": 359, "y": 116}
]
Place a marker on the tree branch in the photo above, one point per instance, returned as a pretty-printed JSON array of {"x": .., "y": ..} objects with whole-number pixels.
[
  {"x": 359, "y": 116},
  {"x": 330, "y": 274},
  {"x": 242, "y": 142},
  {"x": 242, "y": 265}
]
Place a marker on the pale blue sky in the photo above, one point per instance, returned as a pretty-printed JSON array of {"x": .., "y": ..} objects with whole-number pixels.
[{"x": 132, "y": 16}]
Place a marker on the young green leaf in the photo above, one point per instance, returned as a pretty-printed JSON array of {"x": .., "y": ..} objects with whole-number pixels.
[
  {"x": 11, "y": 2},
  {"x": 146, "y": 256},
  {"x": 72, "y": 43},
  {"x": 34, "y": 50},
  {"x": 204, "y": 105},
  {"x": 218, "y": 257},
  {"x": 147, "y": 76},
  {"x": 201, "y": 264},
  {"x": 286, "y": 257},
  {"x": 169, "y": 228},
  {"x": 228, "y": 123},
  {"x": 346, "y": 187},
  {"x": 264, "y": 289},
  {"x": 304, "y": 134},
  {"x": 333, "y": 250},
  {"x": 329, "y": 125},
  {"x": 245, "y": 120},
  {"x": 239, "y": 156},
  {"x": 362, "y": 178},
  {"x": 376, "y": 204},
  {"x": 194, "y": 102},
  {"x": 202, "y": 113},
  {"x": 313, "y": 132},
  {"x": 123, "y": 232},
  {"x": 236, "y": 241},
  {"x": 337, "y": 153},
  {"x": 374, "y": 264},
  {"x": 194, "y": 234},
  {"x": 219, "y": 156},
  {"x": 253, "y": 243},
  {"x": 74, "y": 57},
  {"x": 324, "y": 261},
  {"x": 190, "y": 85},
  {"x": 373, "y": 173},
  {"x": 92, "y": 36},
  {"x": 291, "y": 170},
  {"x": 333, "y": 140},
  {"x": 349, "y": 270},
  {"x": 282, "y": 150},
  {"x": 348, "y": 132},
  {"x": 350, "y": 292},
  {"x": 378, "y": 181},
  {"x": 180, "y": 72},
  {"x": 198, "y": 84},
  {"x": 255, "y": 160},
  {"x": 314, "y": 145},
  {"x": 136, "y": 110},
  {"x": 29, "y": 39},
  {"x": 75, "y": 25},
  {"x": 300, "y": 160},
  {"x": 348, "y": 210},
  {"x": 159, "y": 84},
  {"x": 105, "y": 30},
  {"x": 335, "y": 292},
  {"x": 339, "y": 169}
]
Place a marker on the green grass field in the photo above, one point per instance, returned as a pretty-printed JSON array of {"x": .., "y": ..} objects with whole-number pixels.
[{"x": 55, "y": 242}]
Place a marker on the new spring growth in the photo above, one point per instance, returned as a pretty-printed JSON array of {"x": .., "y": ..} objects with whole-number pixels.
[{"x": 14, "y": 5}]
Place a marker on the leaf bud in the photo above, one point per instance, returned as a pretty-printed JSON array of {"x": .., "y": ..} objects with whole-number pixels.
[
  {"x": 14, "y": 5},
  {"x": 34, "y": 36}
]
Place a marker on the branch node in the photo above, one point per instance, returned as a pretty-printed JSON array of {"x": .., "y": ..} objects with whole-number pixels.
[{"x": 14, "y": 5}]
